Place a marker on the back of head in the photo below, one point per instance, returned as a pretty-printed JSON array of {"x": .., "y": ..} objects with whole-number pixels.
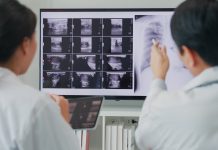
[
  {"x": 16, "y": 23},
  {"x": 195, "y": 25}
]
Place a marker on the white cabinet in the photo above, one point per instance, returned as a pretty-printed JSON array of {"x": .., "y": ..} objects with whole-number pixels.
[{"x": 112, "y": 112}]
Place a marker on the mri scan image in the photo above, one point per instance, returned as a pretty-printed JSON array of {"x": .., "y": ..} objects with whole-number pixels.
[
  {"x": 117, "y": 80},
  {"x": 86, "y": 26},
  {"x": 86, "y": 80},
  {"x": 56, "y": 80},
  {"x": 56, "y": 26},
  {"x": 116, "y": 26},
  {"x": 116, "y": 45},
  {"x": 87, "y": 62},
  {"x": 57, "y": 62},
  {"x": 86, "y": 44},
  {"x": 118, "y": 63},
  {"x": 57, "y": 44},
  {"x": 114, "y": 81}
]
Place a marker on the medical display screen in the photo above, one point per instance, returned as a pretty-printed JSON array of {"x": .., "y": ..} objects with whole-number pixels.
[{"x": 105, "y": 52}]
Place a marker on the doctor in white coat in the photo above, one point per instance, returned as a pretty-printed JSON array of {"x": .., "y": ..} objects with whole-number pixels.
[
  {"x": 29, "y": 120},
  {"x": 188, "y": 118}
]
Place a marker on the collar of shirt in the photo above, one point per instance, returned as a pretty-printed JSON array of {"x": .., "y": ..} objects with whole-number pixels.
[
  {"x": 6, "y": 74},
  {"x": 207, "y": 77}
]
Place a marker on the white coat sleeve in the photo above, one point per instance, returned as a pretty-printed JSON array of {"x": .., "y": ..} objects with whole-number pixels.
[
  {"x": 49, "y": 131},
  {"x": 145, "y": 125}
]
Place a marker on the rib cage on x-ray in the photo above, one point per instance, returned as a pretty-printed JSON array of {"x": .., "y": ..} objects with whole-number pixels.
[{"x": 153, "y": 30}]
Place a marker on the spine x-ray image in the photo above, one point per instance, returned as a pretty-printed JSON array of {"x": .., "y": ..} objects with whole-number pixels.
[
  {"x": 118, "y": 45},
  {"x": 87, "y": 62},
  {"x": 56, "y": 80},
  {"x": 118, "y": 27},
  {"x": 155, "y": 31},
  {"x": 118, "y": 63},
  {"x": 57, "y": 26},
  {"x": 87, "y": 80},
  {"x": 87, "y": 27},
  {"x": 87, "y": 44},
  {"x": 57, "y": 62},
  {"x": 57, "y": 44},
  {"x": 118, "y": 80}
]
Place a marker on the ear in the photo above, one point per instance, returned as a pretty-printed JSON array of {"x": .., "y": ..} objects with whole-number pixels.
[
  {"x": 25, "y": 46},
  {"x": 188, "y": 57}
]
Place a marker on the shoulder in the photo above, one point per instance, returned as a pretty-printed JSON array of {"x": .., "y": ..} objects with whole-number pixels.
[{"x": 23, "y": 102}]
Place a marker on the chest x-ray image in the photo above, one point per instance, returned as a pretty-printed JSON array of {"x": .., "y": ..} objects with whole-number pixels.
[
  {"x": 56, "y": 80},
  {"x": 86, "y": 80},
  {"x": 59, "y": 62},
  {"x": 117, "y": 80},
  {"x": 156, "y": 27},
  {"x": 118, "y": 63},
  {"x": 87, "y": 62},
  {"x": 86, "y": 26},
  {"x": 56, "y": 27}
]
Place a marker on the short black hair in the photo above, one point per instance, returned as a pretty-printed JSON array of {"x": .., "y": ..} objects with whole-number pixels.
[
  {"x": 195, "y": 25},
  {"x": 16, "y": 22}
]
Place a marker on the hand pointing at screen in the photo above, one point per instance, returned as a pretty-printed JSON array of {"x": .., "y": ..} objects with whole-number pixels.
[{"x": 159, "y": 60}]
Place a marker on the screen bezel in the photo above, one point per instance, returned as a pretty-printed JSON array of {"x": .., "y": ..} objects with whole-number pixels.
[{"x": 107, "y": 97}]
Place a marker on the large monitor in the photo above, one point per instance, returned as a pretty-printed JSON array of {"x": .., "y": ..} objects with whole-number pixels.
[{"x": 105, "y": 51}]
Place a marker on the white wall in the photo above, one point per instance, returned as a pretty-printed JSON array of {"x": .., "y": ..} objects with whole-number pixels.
[{"x": 32, "y": 76}]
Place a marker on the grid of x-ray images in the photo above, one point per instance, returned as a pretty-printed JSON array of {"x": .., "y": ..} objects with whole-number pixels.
[{"x": 89, "y": 53}]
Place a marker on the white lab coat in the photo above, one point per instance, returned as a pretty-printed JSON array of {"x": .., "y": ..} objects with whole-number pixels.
[
  {"x": 30, "y": 120},
  {"x": 182, "y": 120}
]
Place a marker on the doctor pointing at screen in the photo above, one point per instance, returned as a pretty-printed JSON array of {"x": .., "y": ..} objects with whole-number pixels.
[
  {"x": 29, "y": 120},
  {"x": 185, "y": 119}
]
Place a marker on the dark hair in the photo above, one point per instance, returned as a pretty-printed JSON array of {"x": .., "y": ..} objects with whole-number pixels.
[
  {"x": 195, "y": 25},
  {"x": 16, "y": 23}
]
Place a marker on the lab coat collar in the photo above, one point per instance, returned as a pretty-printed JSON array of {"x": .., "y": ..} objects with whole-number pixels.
[
  {"x": 207, "y": 77},
  {"x": 6, "y": 73}
]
